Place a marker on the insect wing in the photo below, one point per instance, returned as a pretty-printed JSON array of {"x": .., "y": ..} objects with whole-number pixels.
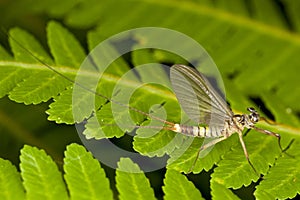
[{"x": 198, "y": 98}]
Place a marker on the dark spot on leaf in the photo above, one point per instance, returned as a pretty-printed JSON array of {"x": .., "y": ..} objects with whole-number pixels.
[
  {"x": 229, "y": 33},
  {"x": 259, "y": 53},
  {"x": 274, "y": 89},
  {"x": 233, "y": 74},
  {"x": 163, "y": 103}
]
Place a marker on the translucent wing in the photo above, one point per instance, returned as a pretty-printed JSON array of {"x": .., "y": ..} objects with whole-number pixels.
[{"x": 198, "y": 98}]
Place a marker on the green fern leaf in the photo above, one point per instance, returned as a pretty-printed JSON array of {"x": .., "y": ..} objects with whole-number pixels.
[
  {"x": 234, "y": 170},
  {"x": 131, "y": 182},
  {"x": 84, "y": 176},
  {"x": 67, "y": 52},
  {"x": 219, "y": 191},
  {"x": 227, "y": 64},
  {"x": 42, "y": 180},
  {"x": 109, "y": 128},
  {"x": 31, "y": 90},
  {"x": 19, "y": 77},
  {"x": 61, "y": 109},
  {"x": 177, "y": 186},
  {"x": 183, "y": 160},
  {"x": 15, "y": 72},
  {"x": 154, "y": 142},
  {"x": 10, "y": 181},
  {"x": 65, "y": 49},
  {"x": 282, "y": 181}
]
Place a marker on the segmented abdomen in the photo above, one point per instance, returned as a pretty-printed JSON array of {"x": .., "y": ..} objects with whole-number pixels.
[{"x": 198, "y": 131}]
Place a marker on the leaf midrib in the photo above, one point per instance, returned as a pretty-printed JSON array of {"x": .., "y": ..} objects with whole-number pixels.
[{"x": 71, "y": 71}]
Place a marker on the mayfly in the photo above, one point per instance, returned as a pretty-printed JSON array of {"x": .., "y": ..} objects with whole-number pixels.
[
  {"x": 214, "y": 111},
  {"x": 205, "y": 106}
]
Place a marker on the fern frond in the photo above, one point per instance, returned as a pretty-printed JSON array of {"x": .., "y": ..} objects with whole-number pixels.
[
  {"x": 10, "y": 181},
  {"x": 84, "y": 176},
  {"x": 41, "y": 177},
  {"x": 177, "y": 186},
  {"x": 131, "y": 182}
]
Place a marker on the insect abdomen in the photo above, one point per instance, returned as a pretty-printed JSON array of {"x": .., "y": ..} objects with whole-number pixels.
[{"x": 196, "y": 131}]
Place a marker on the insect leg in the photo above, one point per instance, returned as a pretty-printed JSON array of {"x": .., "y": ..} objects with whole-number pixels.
[
  {"x": 288, "y": 146},
  {"x": 211, "y": 143},
  {"x": 270, "y": 133},
  {"x": 246, "y": 152},
  {"x": 246, "y": 132},
  {"x": 267, "y": 121},
  {"x": 278, "y": 137}
]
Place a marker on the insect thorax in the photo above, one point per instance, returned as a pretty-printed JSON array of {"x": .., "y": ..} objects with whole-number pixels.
[{"x": 239, "y": 122}]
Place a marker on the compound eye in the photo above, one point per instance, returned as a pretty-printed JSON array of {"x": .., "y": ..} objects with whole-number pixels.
[
  {"x": 254, "y": 118},
  {"x": 250, "y": 109}
]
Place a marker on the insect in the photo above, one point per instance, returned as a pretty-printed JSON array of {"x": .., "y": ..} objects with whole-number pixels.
[
  {"x": 213, "y": 110},
  {"x": 202, "y": 103}
]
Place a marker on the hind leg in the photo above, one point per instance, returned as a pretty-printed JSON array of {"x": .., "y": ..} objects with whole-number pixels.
[{"x": 211, "y": 143}]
